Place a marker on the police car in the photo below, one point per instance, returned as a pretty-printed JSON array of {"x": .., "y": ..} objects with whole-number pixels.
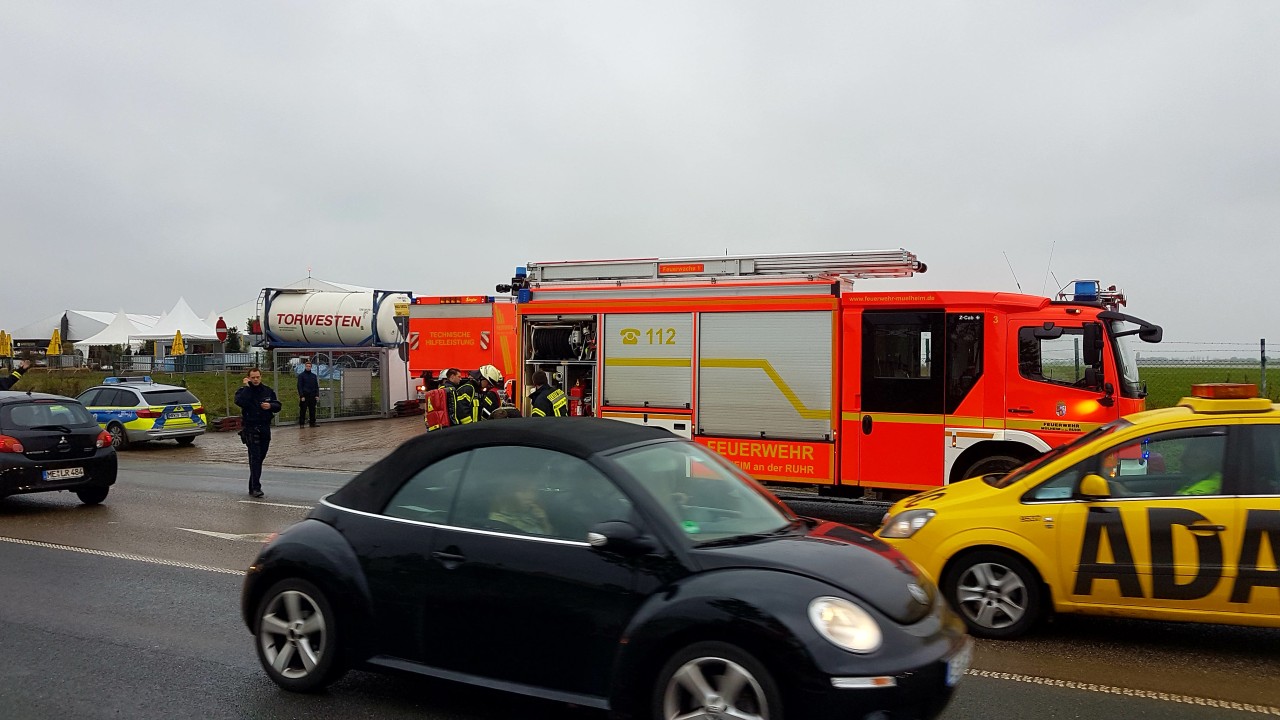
[
  {"x": 135, "y": 409},
  {"x": 1170, "y": 514}
]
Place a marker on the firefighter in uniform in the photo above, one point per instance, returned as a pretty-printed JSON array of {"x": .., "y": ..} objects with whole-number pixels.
[
  {"x": 489, "y": 379},
  {"x": 547, "y": 401},
  {"x": 462, "y": 398}
]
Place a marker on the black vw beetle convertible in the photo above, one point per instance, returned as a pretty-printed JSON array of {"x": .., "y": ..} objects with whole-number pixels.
[{"x": 604, "y": 564}]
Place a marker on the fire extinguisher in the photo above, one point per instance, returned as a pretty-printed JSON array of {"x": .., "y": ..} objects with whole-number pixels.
[{"x": 575, "y": 398}]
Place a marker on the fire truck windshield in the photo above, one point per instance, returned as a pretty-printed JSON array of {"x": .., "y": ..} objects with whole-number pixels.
[{"x": 1126, "y": 362}]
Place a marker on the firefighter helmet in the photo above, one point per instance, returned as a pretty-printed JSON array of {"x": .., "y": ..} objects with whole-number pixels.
[{"x": 492, "y": 374}]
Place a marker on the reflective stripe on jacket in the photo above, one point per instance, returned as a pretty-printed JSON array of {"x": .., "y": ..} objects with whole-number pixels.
[{"x": 549, "y": 402}]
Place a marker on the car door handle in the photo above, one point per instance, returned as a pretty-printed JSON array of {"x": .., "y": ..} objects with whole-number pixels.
[
  {"x": 449, "y": 560},
  {"x": 1024, "y": 410},
  {"x": 1207, "y": 528}
]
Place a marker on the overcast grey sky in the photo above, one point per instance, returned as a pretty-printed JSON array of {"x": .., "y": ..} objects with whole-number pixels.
[{"x": 208, "y": 149}]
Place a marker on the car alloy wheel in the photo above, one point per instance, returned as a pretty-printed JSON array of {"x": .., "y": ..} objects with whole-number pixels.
[
  {"x": 296, "y": 636},
  {"x": 997, "y": 594},
  {"x": 716, "y": 680},
  {"x": 119, "y": 440}
]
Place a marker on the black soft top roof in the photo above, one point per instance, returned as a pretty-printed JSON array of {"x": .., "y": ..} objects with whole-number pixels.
[{"x": 581, "y": 437}]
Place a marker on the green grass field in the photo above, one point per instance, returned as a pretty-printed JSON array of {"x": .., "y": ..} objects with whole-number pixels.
[{"x": 1166, "y": 385}]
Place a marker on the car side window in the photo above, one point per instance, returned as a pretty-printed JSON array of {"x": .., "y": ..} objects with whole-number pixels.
[
  {"x": 89, "y": 397},
  {"x": 429, "y": 493},
  {"x": 1182, "y": 462},
  {"x": 1061, "y": 486},
  {"x": 117, "y": 398},
  {"x": 532, "y": 491},
  {"x": 1260, "y": 471}
]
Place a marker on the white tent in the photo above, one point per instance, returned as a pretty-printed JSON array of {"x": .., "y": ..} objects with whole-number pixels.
[
  {"x": 181, "y": 317},
  {"x": 76, "y": 325},
  {"x": 118, "y": 332}
]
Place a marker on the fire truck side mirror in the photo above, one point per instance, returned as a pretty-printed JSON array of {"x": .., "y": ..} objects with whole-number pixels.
[{"x": 1093, "y": 345}]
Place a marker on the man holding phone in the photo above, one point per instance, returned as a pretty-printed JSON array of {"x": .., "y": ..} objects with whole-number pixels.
[{"x": 258, "y": 404}]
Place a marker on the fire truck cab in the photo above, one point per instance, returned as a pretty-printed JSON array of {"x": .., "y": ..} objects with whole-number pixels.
[
  {"x": 460, "y": 331},
  {"x": 778, "y": 363}
]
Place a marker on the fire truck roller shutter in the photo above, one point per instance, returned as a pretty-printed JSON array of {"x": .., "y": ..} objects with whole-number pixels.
[
  {"x": 765, "y": 372},
  {"x": 648, "y": 360}
]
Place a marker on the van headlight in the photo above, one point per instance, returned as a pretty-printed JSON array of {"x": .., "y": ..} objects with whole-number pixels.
[
  {"x": 905, "y": 524},
  {"x": 845, "y": 624}
]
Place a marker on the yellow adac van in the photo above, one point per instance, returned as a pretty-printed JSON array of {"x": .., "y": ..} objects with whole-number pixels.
[{"x": 1170, "y": 514}]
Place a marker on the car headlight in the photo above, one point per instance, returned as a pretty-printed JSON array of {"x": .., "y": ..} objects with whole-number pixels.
[
  {"x": 905, "y": 524},
  {"x": 845, "y": 624}
]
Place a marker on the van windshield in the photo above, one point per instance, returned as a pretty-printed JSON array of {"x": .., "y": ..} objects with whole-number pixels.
[{"x": 1003, "y": 481}]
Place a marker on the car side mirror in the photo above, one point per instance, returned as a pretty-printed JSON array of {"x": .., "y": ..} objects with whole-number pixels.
[
  {"x": 619, "y": 536},
  {"x": 1094, "y": 487}
]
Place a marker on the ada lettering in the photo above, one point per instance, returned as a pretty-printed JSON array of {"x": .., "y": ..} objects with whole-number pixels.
[{"x": 1260, "y": 526}]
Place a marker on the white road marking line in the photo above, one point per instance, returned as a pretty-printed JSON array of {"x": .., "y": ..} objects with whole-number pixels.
[
  {"x": 1129, "y": 692},
  {"x": 243, "y": 537},
  {"x": 259, "y": 502},
  {"x": 122, "y": 556}
]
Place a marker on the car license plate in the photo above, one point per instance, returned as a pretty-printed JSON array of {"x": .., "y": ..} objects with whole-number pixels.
[
  {"x": 64, "y": 473},
  {"x": 958, "y": 665},
  {"x": 176, "y": 415}
]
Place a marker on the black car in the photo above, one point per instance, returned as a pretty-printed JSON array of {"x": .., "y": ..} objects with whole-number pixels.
[
  {"x": 604, "y": 564},
  {"x": 50, "y": 442}
]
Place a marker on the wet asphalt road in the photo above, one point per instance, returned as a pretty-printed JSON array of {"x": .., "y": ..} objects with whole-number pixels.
[{"x": 94, "y": 636}]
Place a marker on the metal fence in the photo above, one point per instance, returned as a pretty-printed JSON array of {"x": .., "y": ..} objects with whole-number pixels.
[
  {"x": 1170, "y": 369},
  {"x": 351, "y": 382}
]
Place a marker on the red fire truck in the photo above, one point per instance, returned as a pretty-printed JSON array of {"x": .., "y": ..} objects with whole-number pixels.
[
  {"x": 780, "y": 364},
  {"x": 461, "y": 332}
]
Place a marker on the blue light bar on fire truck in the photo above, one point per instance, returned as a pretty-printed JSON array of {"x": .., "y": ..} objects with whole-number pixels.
[{"x": 1090, "y": 291}]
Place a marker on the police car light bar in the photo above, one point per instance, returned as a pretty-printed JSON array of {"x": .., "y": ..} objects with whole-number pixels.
[
  {"x": 1225, "y": 391},
  {"x": 118, "y": 380}
]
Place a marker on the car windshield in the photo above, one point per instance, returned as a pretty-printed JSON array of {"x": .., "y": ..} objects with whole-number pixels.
[
  {"x": 169, "y": 397},
  {"x": 47, "y": 416},
  {"x": 1022, "y": 471},
  {"x": 709, "y": 498}
]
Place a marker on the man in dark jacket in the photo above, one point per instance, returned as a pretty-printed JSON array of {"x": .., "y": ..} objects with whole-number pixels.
[
  {"x": 547, "y": 401},
  {"x": 258, "y": 404},
  {"x": 308, "y": 393},
  {"x": 12, "y": 378},
  {"x": 461, "y": 398}
]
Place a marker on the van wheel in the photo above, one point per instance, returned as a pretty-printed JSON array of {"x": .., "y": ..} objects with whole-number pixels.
[
  {"x": 715, "y": 679},
  {"x": 119, "y": 438},
  {"x": 298, "y": 637},
  {"x": 997, "y": 593}
]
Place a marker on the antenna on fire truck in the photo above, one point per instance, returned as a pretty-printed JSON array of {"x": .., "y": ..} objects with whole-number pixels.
[{"x": 1011, "y": 272}]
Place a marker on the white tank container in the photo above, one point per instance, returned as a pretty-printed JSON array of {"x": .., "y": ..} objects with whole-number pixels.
[{"x": 293, "y": 318}]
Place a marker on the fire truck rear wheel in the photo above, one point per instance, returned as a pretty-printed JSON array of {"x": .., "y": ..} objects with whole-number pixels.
[{"x": 993, "y": 464}]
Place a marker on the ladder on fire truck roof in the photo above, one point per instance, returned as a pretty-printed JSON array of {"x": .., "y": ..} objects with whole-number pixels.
[{"x": 857, "y": 264}]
